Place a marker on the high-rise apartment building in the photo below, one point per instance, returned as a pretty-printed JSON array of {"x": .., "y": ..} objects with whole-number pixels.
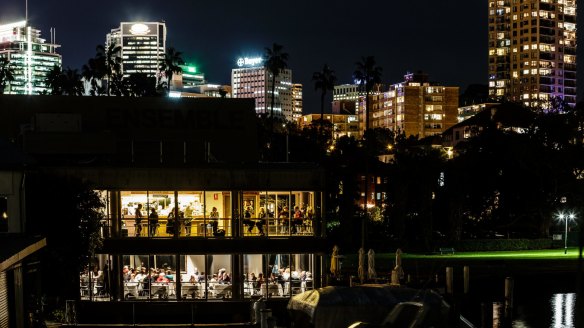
[
  {"x": 251, "y": 79},
  {"x": 296, "y": 101},
  {"x": 415, "y": 107},
  {"x": 30, "y": 56},
  {"x": 143, "y": 45},
  {"x": 532, "y": 50}
]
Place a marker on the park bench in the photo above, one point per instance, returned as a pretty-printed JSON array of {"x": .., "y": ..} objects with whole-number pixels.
[{"x": 446, "y": 250}]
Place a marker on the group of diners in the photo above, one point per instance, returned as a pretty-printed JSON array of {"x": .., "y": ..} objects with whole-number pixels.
[
  {"x": 142, "y": 282},
  {"x": 300, "y": 220},
  {"x": 280, "y": 282},
  {"x": 94, "y": 278}
]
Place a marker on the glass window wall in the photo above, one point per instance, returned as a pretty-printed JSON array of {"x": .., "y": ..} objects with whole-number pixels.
[
  {"x": 149, "y": 277},
  {"x": 277, "y": 275}
]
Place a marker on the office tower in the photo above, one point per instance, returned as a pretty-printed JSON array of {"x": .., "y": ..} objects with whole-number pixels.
[
  {"x": 415, "y": 107},
  {"x": 30, "y": 56},
  {"x": 296, "y": 101},
  {"x": 251, "y": 79},
  {"x": 143, "y": 45},
  {"x": 532, "y": 50}
]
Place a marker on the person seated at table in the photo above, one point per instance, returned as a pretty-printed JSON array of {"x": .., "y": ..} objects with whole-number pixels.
[
  {"x": 273, "y": 278},
  {"x": 252, "y": 279},
  {"x": 223, "y": 277},
  {"x": 261, "y": 221},
  {"x": 214, "y": 278},
  {"x": 153, "y": 221},
  {"x": 126, "y": 273},
  {"x": 261, "y": 280},
  {"x": 169, "y": 275},
  {"x": 162, "y": 278}
]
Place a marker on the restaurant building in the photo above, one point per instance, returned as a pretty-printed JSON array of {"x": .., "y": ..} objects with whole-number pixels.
[{"x": 187, "y": 200}]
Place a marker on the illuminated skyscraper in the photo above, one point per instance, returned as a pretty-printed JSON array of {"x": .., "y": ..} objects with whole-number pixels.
[
  {"x": 143, "y": 46},
  {"x": 296, "y": 101},
  {"x": 532, "y": 50},
  {"x": 31, "y": 57},
  {"x": 252, "y": 80}
]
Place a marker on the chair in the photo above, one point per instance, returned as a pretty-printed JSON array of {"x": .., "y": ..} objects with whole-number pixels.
[{"x": 84, "y": 288}]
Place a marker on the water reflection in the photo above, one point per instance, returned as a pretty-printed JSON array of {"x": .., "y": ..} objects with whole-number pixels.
[
  {"x": 563, "y": 306},
  {"x": 561, "y": 314}
]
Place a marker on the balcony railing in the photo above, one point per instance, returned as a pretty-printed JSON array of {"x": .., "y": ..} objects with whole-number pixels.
[{"x": 209, "y": 228}]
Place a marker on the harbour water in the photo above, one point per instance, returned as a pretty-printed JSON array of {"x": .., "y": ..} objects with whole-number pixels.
[{"x": 557, "y": 310}]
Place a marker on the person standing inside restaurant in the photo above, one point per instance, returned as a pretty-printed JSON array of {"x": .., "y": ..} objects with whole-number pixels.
[
  {"x": 153, "y": 218},
  {"x": 170, "y": 223},
  {"x": 262, "y": 217},
  {"x": 138, "y": 220},
  {"x": 188, "y": 219},
  {"x": 214, "y": 215}
]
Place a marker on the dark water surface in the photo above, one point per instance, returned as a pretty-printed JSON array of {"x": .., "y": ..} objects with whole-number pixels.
[{"x": 539, "y": 302}]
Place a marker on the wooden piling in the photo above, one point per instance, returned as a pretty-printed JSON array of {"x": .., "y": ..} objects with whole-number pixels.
[
  {"x": 449, "y": 280},
  {"x": 466, "y": 279},
  {"x": 497, "y": 315},
  {"x": 509, "y": 284}
]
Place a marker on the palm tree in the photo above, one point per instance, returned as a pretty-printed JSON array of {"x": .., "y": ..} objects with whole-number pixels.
[
  {"x": 109, "y": 62},
  {"x": 276, "y": 61},
  {"x": 93, "y": 74},
  {"x": 324, "y": 80},
  {"x": 6, "y": 74},
  {"x": 368, "y": 74},
  {"x": 72, "y": 84},
  {"x": 141, "y": 85},
  {"x": 171, "y": 64},
  {"x": 54, "y": 80}
]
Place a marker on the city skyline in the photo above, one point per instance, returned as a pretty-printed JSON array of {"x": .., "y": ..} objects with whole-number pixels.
[{"x": 450, "y": 54}]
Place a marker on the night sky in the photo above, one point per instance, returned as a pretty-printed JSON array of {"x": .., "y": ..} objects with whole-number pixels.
[{"x": 446, "y": 39}]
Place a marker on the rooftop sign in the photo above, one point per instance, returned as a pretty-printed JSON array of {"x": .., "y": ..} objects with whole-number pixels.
[{"x": 249, "y": 62}]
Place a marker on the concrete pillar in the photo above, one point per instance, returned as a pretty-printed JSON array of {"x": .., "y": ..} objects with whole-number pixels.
[
  {"x": 236, "y": 277},
  {"x": 115, "y": 213}
]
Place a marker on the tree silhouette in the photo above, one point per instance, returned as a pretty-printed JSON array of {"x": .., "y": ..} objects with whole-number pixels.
[
  {"x": 72, "y": 84},
  {"x": 171, "y": 65},
  {"x": 275, "y": 61},
  {"x": 109, "y": 63},
  {"x": 324, "y": 80},
  {"x": 93, "y": 72},
  {"x": 7, "y": 72},
  {"x": 368, "y": 74},
  {"x": 54, "y": 80}
]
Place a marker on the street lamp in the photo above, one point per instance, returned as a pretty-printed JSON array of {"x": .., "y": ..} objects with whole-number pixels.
[{"x": 566, "y": 218}]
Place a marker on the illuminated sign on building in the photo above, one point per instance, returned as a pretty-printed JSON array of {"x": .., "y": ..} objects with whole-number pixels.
[
  {"x": 246, "y": 61},
  {"x": 139, "y": 29}
]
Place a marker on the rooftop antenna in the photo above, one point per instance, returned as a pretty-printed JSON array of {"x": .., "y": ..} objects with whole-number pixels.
[{"x": 26, "y": 11}]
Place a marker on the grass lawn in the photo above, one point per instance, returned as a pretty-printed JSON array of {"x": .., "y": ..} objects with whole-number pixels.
[
  {"x": 515, "y": 259},
  {"x": 545, "y": 254}
]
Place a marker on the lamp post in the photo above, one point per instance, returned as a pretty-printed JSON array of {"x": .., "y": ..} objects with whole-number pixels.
[{"x": 566, "y": 218}]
